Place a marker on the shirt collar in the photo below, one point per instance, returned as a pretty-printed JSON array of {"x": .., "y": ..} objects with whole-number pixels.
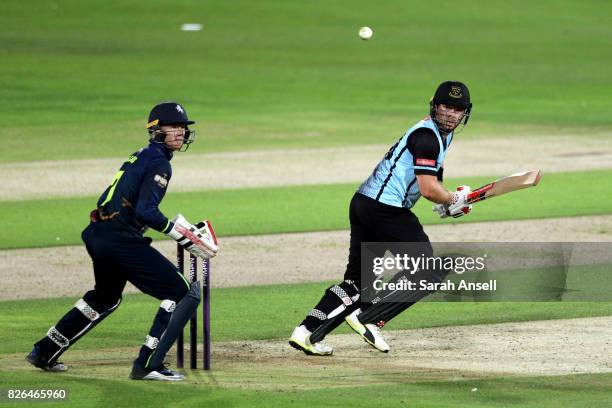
[{"x": 162, "y": 148}]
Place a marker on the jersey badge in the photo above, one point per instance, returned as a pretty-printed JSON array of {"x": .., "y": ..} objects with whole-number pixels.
[{"x": 162, "y": 180}]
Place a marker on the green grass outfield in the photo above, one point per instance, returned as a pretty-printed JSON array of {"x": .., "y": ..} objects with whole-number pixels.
[
  {"x": 303, "y": 208},
  {"x": 80, "y": 77},
  {"x": 591, "y": 390},
  {"x": 532, "y": 392},
  {"x": 239, "y": 314}
]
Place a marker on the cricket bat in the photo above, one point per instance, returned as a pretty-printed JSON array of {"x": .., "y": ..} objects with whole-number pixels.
[{"x": 505, "y": 185}]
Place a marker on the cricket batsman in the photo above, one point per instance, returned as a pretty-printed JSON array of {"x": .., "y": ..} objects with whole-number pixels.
[
  {"x": 120, "y": 253},
  {"x": 380, "y": 211}
]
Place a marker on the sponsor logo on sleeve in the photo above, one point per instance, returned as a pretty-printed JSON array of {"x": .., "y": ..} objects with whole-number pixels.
[
  {"x": 162, "y": 180},
  {"x": 425, "y": 162}
]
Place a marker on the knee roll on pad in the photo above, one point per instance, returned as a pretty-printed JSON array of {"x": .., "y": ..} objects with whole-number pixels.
[
  {"x": 100, "y": 303},
  {"x": 93, "y": 310},
  {"x": 87, "y": 310},
  {"x": 346, "y": 291},
  {"x": 168, "y": 305}
]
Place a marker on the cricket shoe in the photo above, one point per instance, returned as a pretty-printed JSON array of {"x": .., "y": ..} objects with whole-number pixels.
[
  {"x": 161, "y": 373},
  {"x": 369, "y": 331},
  {"x": 37, "y": 359},
  {"x": 300, "y": 340}
]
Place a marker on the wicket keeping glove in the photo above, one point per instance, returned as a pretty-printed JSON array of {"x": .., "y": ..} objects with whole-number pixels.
[{"x": 198, "y": 239}]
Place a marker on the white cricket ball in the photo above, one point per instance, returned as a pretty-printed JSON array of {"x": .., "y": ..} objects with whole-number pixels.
[{"x": 365, "y": 33}]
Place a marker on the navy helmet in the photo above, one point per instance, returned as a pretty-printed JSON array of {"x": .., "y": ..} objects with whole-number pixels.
[{"x": 169, "y": 113}]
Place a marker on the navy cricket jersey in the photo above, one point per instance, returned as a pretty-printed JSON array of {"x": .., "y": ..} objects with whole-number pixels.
[{"x": 131, "y": 202}]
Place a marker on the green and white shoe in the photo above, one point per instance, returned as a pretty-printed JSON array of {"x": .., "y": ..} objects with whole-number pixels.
[
  {"x": 300, "y": 340},
  {"x": 369, "y": 332}
]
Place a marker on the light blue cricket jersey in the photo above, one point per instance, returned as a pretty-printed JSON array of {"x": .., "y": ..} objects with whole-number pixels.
[{"x": 393, "y": 181}]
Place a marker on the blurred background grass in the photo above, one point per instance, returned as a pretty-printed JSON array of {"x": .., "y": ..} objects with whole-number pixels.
[{"x": 79, "y": 78}]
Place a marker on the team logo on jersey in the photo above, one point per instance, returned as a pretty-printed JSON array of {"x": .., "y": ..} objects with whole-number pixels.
[
  {"x": 425, "y": 162},
  {"x": 162, "y": 180},
  {"x": 179, "y": 108},
  {"x": 455, "y": 92}
]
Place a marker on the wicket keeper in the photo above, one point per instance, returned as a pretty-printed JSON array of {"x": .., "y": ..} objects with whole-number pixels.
[
  {"x": 120, "y": 253},
  {"x": 380, "y": 211}
]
